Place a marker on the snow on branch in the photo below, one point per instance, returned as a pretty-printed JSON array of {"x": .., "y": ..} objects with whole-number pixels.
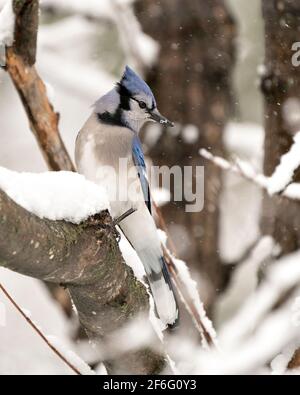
[
  {"x": 79, "y": 365},
  {"x": 289, "y": 163},
  {"x": 189, "y": 294},
  {"x": 84, "y": 258},
  {"x": 55, "y": 195},
  {"x": 187, "y": 289},
  {"x": 272, "y": 185},
  {"x": 241, "y": 168}
]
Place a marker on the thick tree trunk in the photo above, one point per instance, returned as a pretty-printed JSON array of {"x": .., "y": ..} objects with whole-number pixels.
[
  {"x": 281, "y": 89},
  {"x": 86, "y": 260},
  {"x": 192, "y": 83}
]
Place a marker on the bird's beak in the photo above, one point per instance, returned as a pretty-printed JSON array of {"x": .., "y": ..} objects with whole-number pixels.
[{"x": 156, "y": 116}]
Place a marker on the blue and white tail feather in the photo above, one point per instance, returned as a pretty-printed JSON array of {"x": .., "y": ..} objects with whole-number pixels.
[{"x": 161, "y": 287}]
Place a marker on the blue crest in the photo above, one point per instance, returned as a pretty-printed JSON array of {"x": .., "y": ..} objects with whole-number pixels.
[{"x": 135, "y": 85}]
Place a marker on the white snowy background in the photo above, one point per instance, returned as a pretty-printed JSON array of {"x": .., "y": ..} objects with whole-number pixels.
[{"x": 80, "y": 61}]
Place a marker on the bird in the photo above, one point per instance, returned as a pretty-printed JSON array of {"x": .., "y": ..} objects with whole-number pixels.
[{"x": 108, "y": 151}]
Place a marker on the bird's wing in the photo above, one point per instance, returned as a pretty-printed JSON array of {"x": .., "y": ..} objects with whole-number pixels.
[{"x": 139, "y": 162}]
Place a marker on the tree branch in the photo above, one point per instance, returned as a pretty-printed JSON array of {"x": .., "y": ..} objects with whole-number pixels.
[
  {"x": 20, "y": 59},
  {"x": 84, "y": 258},
  {"x": 245, "y": 170},
  {"x": 39, "y": 332}
]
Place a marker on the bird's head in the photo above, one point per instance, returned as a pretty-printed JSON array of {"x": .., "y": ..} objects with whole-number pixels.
[{"x": 137, "y": 102}]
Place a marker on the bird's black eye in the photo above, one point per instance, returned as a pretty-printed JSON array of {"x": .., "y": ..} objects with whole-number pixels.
[{"x": 142, "y": 104}]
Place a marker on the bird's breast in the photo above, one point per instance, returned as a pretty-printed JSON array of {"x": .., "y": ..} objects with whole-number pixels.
[{"x": 105, "y": 157}]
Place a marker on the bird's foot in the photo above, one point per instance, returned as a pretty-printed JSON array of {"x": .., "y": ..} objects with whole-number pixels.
[
  {"x": 117, "y": 220},
  {"x": 103, "y": 221}
]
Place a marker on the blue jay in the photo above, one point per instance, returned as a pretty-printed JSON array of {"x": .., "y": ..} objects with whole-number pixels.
[{"x": 110, "y": 137}]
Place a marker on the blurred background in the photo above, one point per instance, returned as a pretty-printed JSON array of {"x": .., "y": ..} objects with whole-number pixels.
[{"x": 203, "y": 60}]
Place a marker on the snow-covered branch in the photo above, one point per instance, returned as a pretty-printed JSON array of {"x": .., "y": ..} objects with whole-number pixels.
[
  {"x": 82, "y": 256},
  {"x": 274, "y": 184},
  {"x": 289, "y": 163},
  {"x": 243, "y": 169},
  {"x": 186, "y": 286}
]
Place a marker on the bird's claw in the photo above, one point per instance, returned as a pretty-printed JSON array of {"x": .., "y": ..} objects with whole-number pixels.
[{"x": 118, "y": 220}]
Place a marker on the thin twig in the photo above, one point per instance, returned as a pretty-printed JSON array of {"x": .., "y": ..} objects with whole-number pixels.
[
  {"x": 180, "y": 287},
  {"x": 206, "y": 337},
  {"x": 38, "y": 331}
]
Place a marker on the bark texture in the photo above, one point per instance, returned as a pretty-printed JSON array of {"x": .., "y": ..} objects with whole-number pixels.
[
  {"x": 281, "y": 89},
  {"x": 26, "y": 27},
  {"x": 86, "y": 260},
  {"x": 192, "y": 84}
]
